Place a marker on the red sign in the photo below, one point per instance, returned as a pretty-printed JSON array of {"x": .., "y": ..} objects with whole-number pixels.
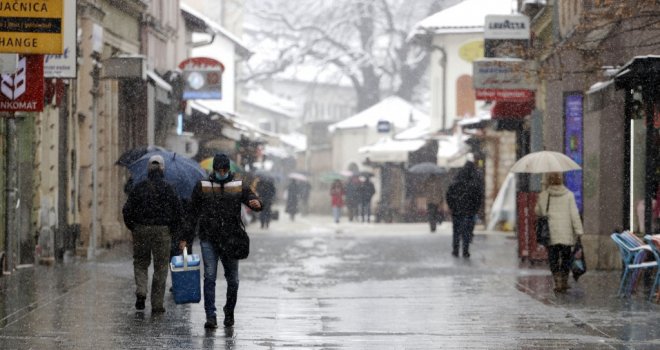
[
  {"x": 202, "y": 77},
  {"x": 23, "y": 91},
  {"x": 518, "y": 95}
]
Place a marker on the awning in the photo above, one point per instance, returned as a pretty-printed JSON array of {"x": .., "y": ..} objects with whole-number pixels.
[
  {"x": 163, "y": 89},
  {"x": 389, "y": 150},
  {"x": 511, "y": 110}
]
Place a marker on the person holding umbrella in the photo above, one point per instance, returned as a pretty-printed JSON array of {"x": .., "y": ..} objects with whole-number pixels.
[
  {"x": 558, "y": 203},
  {"x": 216, "y": 204},
  {"x": 153, "y": 213}
]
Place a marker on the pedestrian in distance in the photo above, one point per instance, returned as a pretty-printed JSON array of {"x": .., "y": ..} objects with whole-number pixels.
[
  {"x": 266, "y": 190},
  {"x": 305, "y": 191},
  {"x": 336, "y": 199},
  {"x": 434, "y": 200},
  {"x": 216, "y": 205},
  {"x": 292, "y": 197},
  {"x": 558, "y": 204},
  {"x": 153, "y": 213},
  {"x": 352, "y": 197},
  {"x": 366, "y": 191},
  {"x": 464, "y": 198}
]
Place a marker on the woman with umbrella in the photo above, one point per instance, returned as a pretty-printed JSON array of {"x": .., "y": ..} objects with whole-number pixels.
[{"x": 558, "y": 204}]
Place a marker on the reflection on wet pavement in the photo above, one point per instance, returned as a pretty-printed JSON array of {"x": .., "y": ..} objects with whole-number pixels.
[{"x": 370, "y": 287}]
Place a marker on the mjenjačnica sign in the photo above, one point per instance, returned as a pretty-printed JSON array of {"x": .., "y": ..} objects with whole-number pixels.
[{"x": 31, "y": 26}]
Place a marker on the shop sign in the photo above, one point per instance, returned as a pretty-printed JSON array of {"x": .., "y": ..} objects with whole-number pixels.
[
  {"x": 31, "y": 26},
  {"x": 506, "y": 27},
  {"x": 64, "y": 65},
  {"x": 23, "y": 90},
  {"x": 573, "y": 143},
  {"x": 504, "y": 73},
  {"x": 202, "y": 77},
  {"x": 509, "y": 95},
  {"x": 384, "y": 126}
]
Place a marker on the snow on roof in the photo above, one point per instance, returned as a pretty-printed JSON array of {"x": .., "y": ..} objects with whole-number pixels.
[
  {"x": 465, "y": 17},
  {"x": 295, "y": 140},
  {"x": 421, "y": 130},
  {"x": 216, "y": 28},
  {"x": 266, "y": 100},
  {"x": 389, "y": 150},
  {"x": 393, "y": 109}
]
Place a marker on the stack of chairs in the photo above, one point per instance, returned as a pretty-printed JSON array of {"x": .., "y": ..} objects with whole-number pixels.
[
  {"x": 654, "y": 242},
  {"x": 634, "y": 255}
]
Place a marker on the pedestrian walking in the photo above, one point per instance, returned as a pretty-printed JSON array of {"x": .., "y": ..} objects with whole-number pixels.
[
  {"x": 153, "y": 213},
  {"x": 352, "y": 197},
  {"x": 266, "y": 190},
  {"x": 216, "y": 205},
  {"x": 292, "y": 197},
  {"x": 365, "y": 192},
  {"x": 558, "y": 204},
  {"x": 464, "y": 198},
  {"x": 434, "y": 200},
  {"x": 305, "y": 191},
  {"x": 337, "y": 199}
]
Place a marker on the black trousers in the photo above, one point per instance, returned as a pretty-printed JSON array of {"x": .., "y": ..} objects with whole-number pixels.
[{"x": 559, "y": 258}]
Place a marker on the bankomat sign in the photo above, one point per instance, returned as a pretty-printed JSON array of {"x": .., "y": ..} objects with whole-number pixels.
[{"x": 23, "y": 91}]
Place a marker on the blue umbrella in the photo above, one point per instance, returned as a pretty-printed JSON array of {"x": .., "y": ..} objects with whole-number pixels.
[{"x": 183, "y": 173}]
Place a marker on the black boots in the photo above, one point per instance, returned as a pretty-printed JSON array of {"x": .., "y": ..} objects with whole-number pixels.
[
  {"x": 139, "y": 303},
  {"x": 229, "y": 317},
  {"x": 211, "y": 323}
]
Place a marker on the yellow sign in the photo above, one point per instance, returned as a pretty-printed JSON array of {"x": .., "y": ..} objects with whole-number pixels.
[
  {"x": 471, "y": 51},
  {"x": 31, "y": 26}
]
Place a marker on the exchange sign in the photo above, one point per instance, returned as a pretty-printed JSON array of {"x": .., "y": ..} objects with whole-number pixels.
[{"x": 31, "y": 26}]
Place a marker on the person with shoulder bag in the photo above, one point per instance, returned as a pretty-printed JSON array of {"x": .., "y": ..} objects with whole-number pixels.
[
  {"x": 564, "y": 224},
  {"x": 216, "y": 205}
]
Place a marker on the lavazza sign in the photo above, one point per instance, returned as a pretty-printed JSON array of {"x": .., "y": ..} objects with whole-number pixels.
[{"x": 515, "y": 27}]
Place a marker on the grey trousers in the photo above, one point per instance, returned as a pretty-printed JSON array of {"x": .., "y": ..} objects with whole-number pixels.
[{"x": 151, "y": 241}]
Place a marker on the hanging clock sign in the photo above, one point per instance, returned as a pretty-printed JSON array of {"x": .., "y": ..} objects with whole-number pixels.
[{"x": 202, "y": 78}]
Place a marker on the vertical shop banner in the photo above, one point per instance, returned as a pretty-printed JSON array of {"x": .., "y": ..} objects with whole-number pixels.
[
  {"x": 573, "y": 143},
  {"x": 23, "y": 91},
  {"x": 64, "y": 65}
]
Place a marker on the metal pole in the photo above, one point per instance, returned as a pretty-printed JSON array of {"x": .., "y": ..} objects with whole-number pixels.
[{"x": 11, "y": 188}]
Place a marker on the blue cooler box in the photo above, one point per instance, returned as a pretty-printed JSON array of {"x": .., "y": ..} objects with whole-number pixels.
[{"x": 185, "y": 278}]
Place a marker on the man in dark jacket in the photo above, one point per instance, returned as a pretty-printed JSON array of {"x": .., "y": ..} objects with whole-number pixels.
[
  {"x": 464, "y": 198},
  {"x": 153, "y": 213},
  {"x": 266, "y": 190},
  {"x": 216, "y": 203},
  {"x": 366, "y": 191}
]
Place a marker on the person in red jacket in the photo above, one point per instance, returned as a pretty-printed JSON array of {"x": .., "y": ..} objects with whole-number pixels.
[{"x": 337, "y": 199}]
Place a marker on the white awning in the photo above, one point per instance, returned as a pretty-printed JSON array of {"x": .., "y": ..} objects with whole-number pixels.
[
  {"x": 159, "y": 81},
  {"x": 389, "y": 150}
]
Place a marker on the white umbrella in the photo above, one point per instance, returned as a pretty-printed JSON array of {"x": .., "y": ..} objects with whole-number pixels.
[
  {"x": 544, "y": 162},
  {"x": 427, "y": 168}
]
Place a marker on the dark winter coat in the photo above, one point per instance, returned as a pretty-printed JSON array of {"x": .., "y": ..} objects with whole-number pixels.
[
  {"x": 153, "y": 202},
  {"x": 266, "y": 190},
  {"x": 216, "y": 205},
  {"x": 293, "y": 194},
  {"x": 465, "y": 194},
  {"x": 366, "y": 191}
]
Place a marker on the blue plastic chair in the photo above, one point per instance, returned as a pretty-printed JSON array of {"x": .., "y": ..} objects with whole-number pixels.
[
  {"x": 633, "y": 255},
  {"x": 656, "y": 253}
]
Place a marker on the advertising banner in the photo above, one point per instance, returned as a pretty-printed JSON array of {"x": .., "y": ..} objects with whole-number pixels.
[
  {"x": 23, "y": 91},
  {"x": 31, "y": 27},
  {"x": 64, "y": 65},
  {"x": 573, "y": 143}
]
